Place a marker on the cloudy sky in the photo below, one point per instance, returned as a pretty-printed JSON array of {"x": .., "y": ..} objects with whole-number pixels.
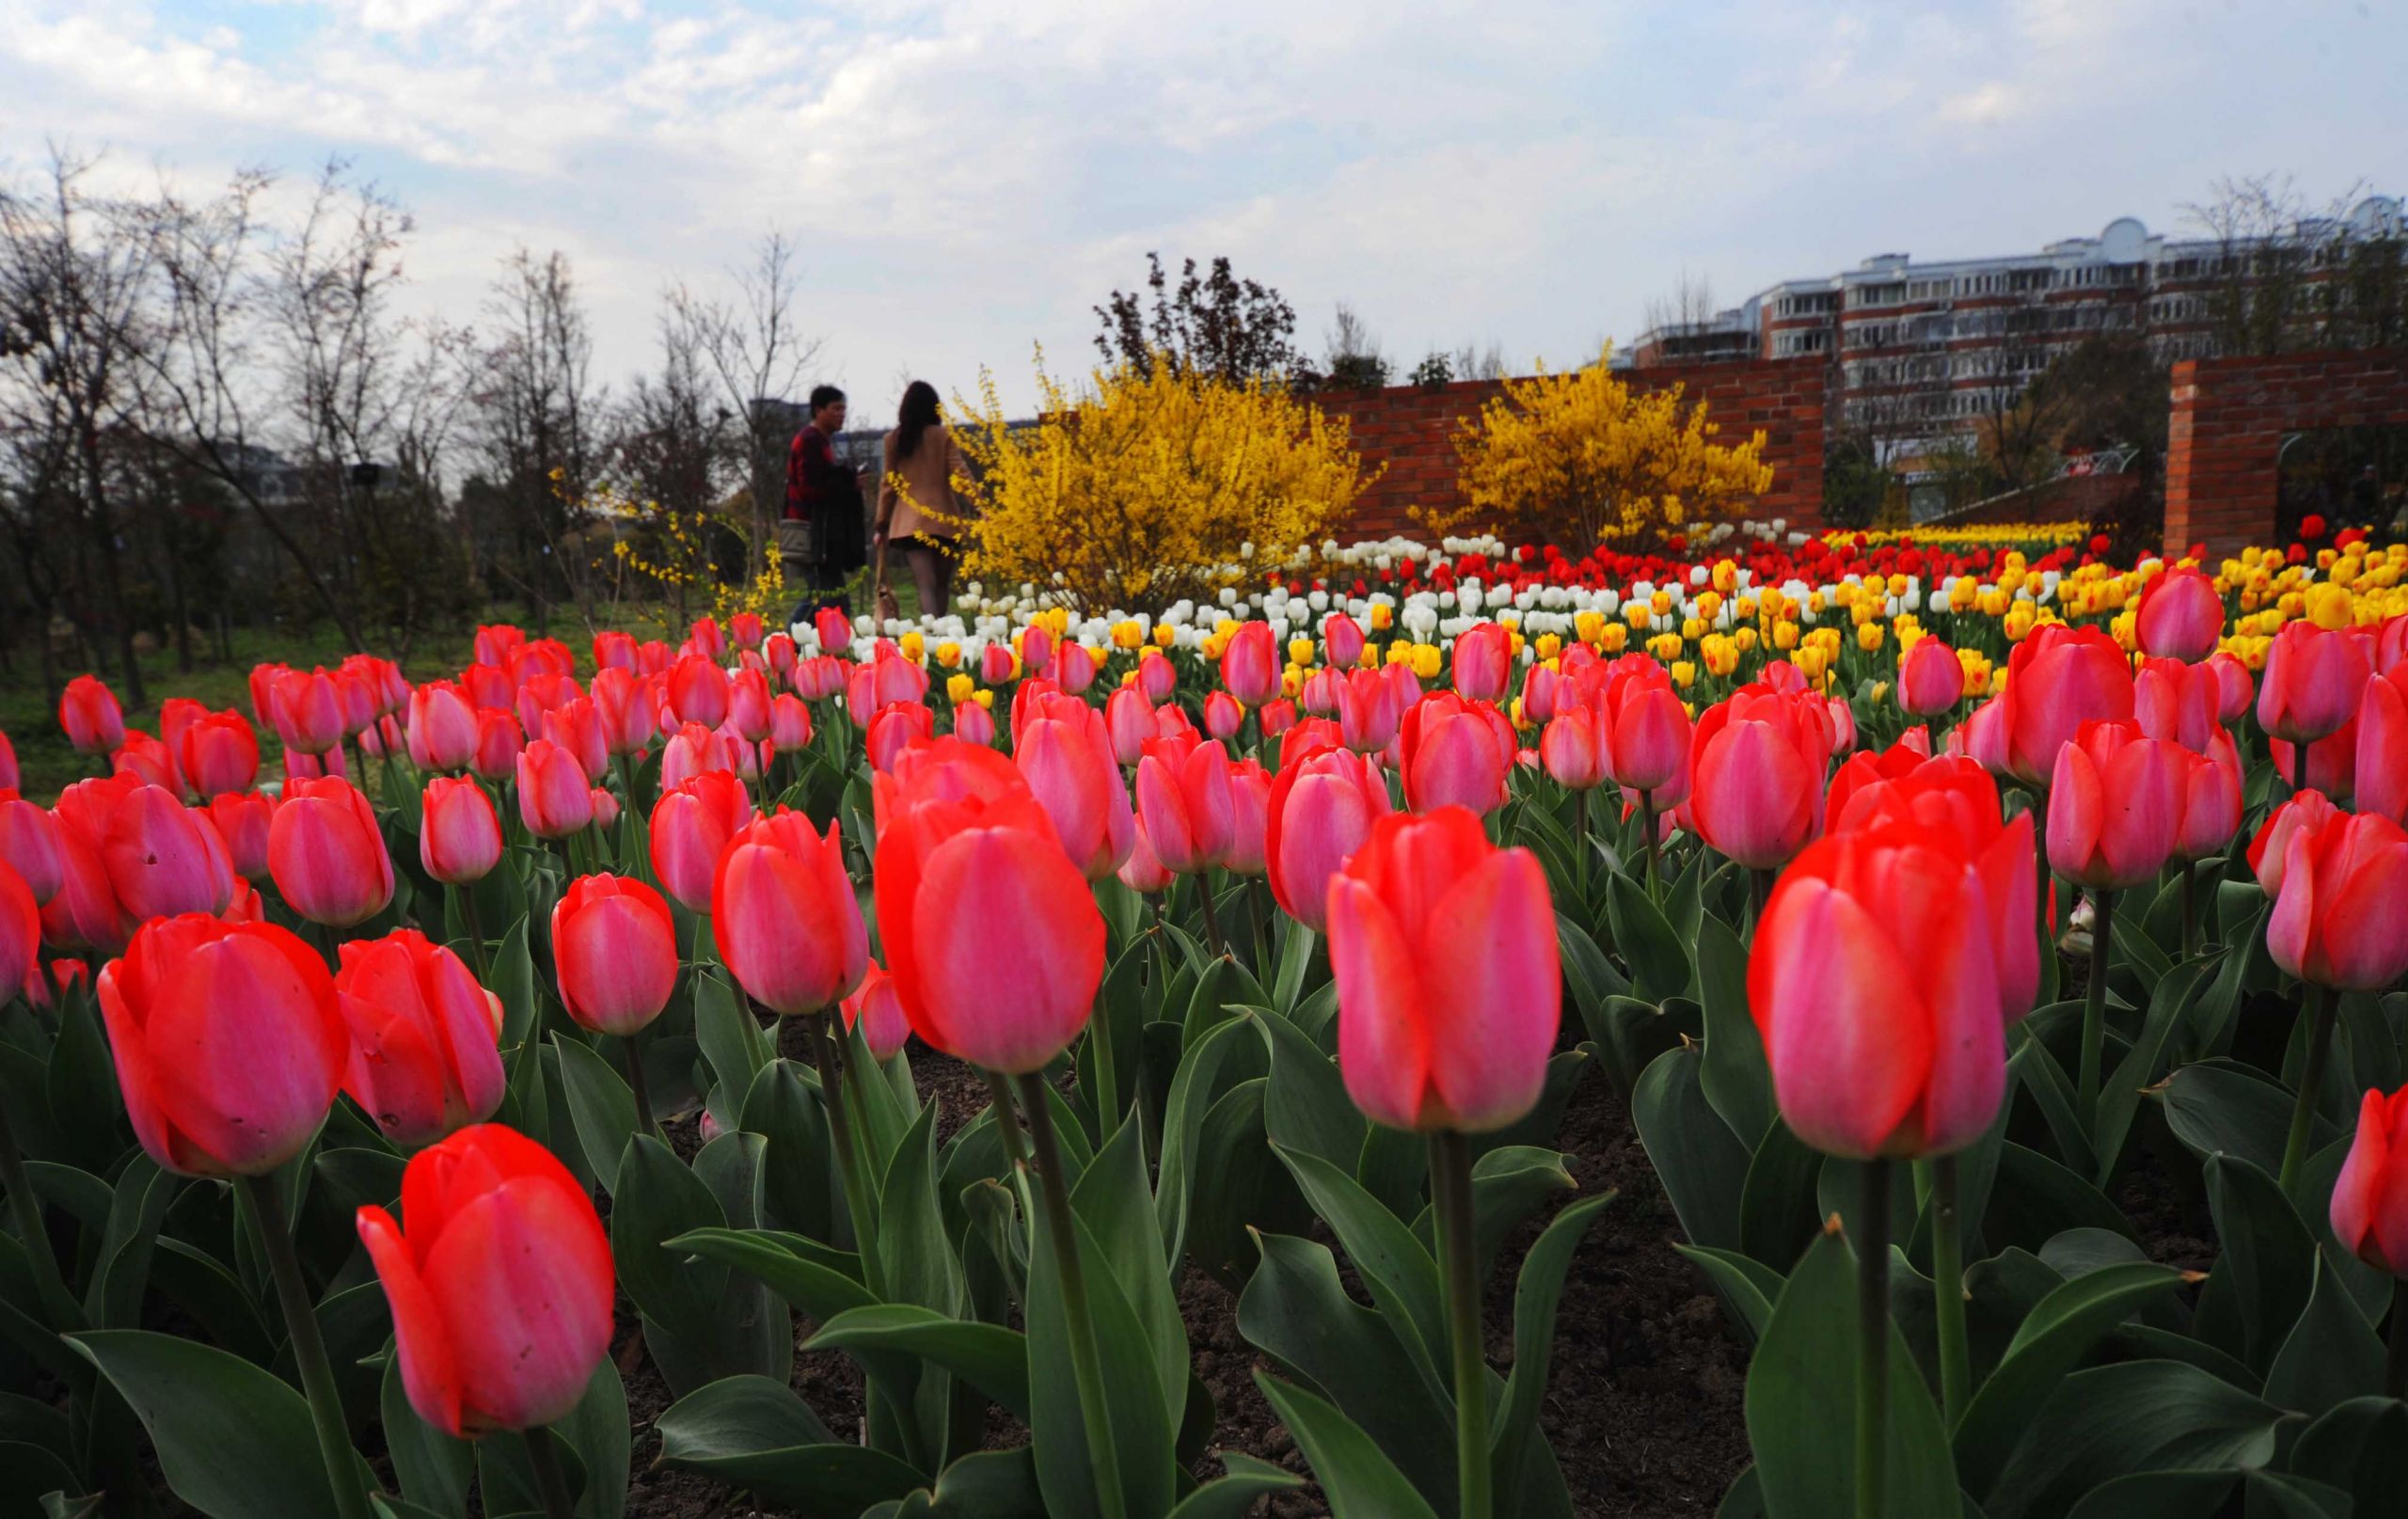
[{"x": 967, "y": 179}]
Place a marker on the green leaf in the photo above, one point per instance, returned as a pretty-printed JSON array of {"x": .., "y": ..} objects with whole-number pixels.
[
  {"x": 2219, "y": 1107},
  {"x": 988, "y": 1357},
  {"x": 2049, "y": 1342},
  {"x": 2110, "y": 1421},
  {"x": 601, "y": 1106},
  {"x": 2036, "y": 1200},
  {"x": 1592, "y": 977},
  {"x": 797, "y": 1181},
  {"x": 233, "y": 1441},
  {"x": 2269, "y": 1257},
  {"x": 434, "y": 1469},
  {"x": 1295, "y": 1310},
  {"x": 1628, "y": 1035},
  {"x": 1801, "y": 1402},
  {"x": 1358, "y": 1482},
  {"x": 1736, "y": 1078},
  {"x": 1702, "y": 1164},
  {"x": 2119, "y": 1098},
  {"x": 2053, "y": 1093},
  {"x": 2360, "y": 1445},
  {"x": 144, "y": 1193},
  {"x": 1115, "y": 1213},
  {"x": 818, "y": 1280},
  {"x": 699, "y": 1327},
  {"x": 1142, "y": 1432},
  {"x": 2331, "y": 1354},
  {"x": 1659, "y": 965},
  {"x": 1400, "y": 1273},
  {"x": 1233, "y": 1496},
  {"x": 1777, "y": 1200},
  {"x": 1306, "y": 1107},
  {"x": 1518, "y": 1451},
  {"x": 82, "y": 1087},
  {"x": 751, "y": 1432},
  {"x": 984, "y": 1484},
  {"x": 730, "y": 1036},
  {"x": 915, "y": 1253},
  {"x": 1508, "y": 1185},
  {"x": 1747, "y": 1285}
]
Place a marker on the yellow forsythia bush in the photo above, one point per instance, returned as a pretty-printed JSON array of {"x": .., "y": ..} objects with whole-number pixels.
[
  {"x": 1142, "y": 489},
  {"x": 1578, "y": 458}
]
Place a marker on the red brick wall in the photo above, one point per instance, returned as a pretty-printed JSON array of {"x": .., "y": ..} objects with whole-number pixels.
[
  {"x": 2227, "y": 425},
  {"x": 1411, "y": 429}
]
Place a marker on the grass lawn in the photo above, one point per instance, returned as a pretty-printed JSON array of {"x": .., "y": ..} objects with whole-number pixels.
[{"x": 31, "y": 721}]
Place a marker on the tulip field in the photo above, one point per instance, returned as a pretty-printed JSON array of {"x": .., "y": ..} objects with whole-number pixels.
[{"x": 1878, "y": 1025}]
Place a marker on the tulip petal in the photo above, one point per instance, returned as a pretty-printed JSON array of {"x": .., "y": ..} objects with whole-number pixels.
[
  {"x": 516, "y": 1271},
  {"x": 430, "y": 1375},
  {"x": 1012, "y": 976},
  {"x": 1493, "y": 997},
  {"x": 1382, "y": 1051},
  {"x": 1849, "y": 1061}
]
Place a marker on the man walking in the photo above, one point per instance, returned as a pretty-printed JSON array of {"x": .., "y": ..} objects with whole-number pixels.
[{"x": 821, "y": 537}]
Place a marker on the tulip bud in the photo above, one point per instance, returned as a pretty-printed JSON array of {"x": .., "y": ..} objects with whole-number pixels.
[
  {"x": 1321, "y": 809},
  {"x": 2313, "y": 680},
  {"x": 1156, "y": 676},
  {"x": 834, "y": 628},
  {"x": 502, "y": 1289},
  {"x": 1757, "y": 790},
  {"x": 1064, "y": 752},
  {"x": 691, "y": 825},
  {"x": 1483, "y": 661},
  {"x": 1457, "y": 753},
  {"x": 459, "y": 839},
  {"x": 555, "y": 795},
  {"x": 218, "y": 754},
  {"x": 877, "y": 1010},
  {"x": 499, "y": 745},
  {"x": 1250, "y": 664},
  {"x": 2211, "y": 801},
  {"x": 1449, "y": 989},
  {"x": 1930, "y": 679},
  {"x": 628, "y": 721},
  {"x": 2369, "y": 1210},
  {"x": 2270, "y": 851},
  {"x": 20, "y": 932},
  {"x": 30, "y": 846},
  {"x": 1342, "y": 641},
  {"x": 2180, "y": 616},
  {"x": 1645, "y": 729},
  {"x": 1223, "y": 716},
  {"x": 1184, "y": 795},
  {"x": 894, "y": 726},
  {"x": 89, "y": 712},
  {"x": 423, "y": 1057},
  {"x": 2380, "y": 761},
  {"x": 309, "y": 711},
  {"x": 2058, "y": 678},
  {"x": 10, "y": 779},
  {"x": 326, "y": 854},
  {"x": 2340, "y": 918},
  {"x": 1568, "y": 749},
  {"x": 2115, "y": 805},
  {"x": 163, "y": 859},
  {"x": 1249, "y": 809},
  {"x": 576, "y": 725},
  {"x": 698, "y": 691},
  {"x": 614, "y": 948},
  {"x": 1875, "y": 987},
  {"x": 785, "y": 916},
  {"x": 1129, "y": 719},
  {"x": 229, "y": 1045},
  {"x": 1144, "y": 873},
  {"x": 789, "y": 725}
]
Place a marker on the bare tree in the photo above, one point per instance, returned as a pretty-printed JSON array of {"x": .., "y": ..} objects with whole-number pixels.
[
  {"x": 72, "y": 334},
  {"x": 753, "y": 348},
  {"x": 2289, "y": 274},
  {"x": 1354, "y": 351},
  {"x": 676, "y": 447},
  {"x": 535, "y": 406},
  {"x": 1475, "y": 363},
  {"x": 1690, "y": 303}
]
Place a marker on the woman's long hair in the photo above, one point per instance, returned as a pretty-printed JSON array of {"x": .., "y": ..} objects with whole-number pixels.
[{"x": 917, "y": 413}]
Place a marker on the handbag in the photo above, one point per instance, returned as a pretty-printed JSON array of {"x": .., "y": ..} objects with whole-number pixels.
[
  {"x": 888, "y": 609},
  {"x": 796, "y": 539}
]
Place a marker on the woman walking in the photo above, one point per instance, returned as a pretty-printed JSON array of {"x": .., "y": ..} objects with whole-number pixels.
[{"x": 918, "y": 509}]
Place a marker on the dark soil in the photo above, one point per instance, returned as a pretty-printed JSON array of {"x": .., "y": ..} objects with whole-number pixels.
[{"x": 1643, "y": 1400}]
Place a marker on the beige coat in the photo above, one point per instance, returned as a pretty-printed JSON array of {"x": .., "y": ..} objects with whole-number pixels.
[{"x": 927, "y": 482}]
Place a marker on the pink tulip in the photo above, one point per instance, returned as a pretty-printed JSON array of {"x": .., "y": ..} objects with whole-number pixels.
[
  {"x": 2340, "y": 919},
  {"x": 1321, "y": 809},
  {"x": 784, "y": 917},
  {"x": 2312, "y": 683},
  {"x": 2115, "y": 804},
  {"x": 165, "y": 859},
  {"x": 1457, "y": 753},
  {"x": 1066, "y": 756},
  {"x": 1183, "y": 797},
  {"x": 1482, "y": 662},
  {"x": 2380, "y": 761},
  {"x": 1223, "y": 716},
  {"x": 1930, "y": 679},
  {"x": 2059, "y": 678},
  {"x": 2181, "y": 616},
  {"x": 1250, "y": 664},
  {"x": 555, "y": 795}
]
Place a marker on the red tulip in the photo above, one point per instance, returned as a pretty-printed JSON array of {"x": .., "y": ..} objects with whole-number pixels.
[
  {"x": 500, "y": 741},
  {"x": 780, "y": 651},
  {"x": 20, "y": 932},
  {"x": 691, "y": 825},
  {"x": 443, "y": 727},
  {"x": 1982, "y": 737},
  {"x": 8, "y": 777},
  {"x": 326, "y": 854},
  {"x": 1539, "y": 685},
  {"x": 243, "y": 820},
  {"x": 1250, "y": 664},
  {"x": 2380, "y": 761},
  {"x": 1250, "y": 820},
  {"x": 2270, "y": 851},
  {"x": 789, "y": 725},
  {"x": 2369, "y": 1209},
  {"x": 2178, "y": 702},
  {"x": 489, "y": 689},
  {"x": 163, "y": 859},
  {"x": 877, "y": 1010},
  {"x": 991, "y": 932},
  {"x": 1129, "y": 720},
  {"x": 748, "y": 705},
  {"x": 894, "y": 727},
  {"x": 888, "y": 677},
  {"x": 2340, "y": 916},
  {"x": 229, "y": 1045},
  {"x": 459, "y": 839},
  {"x": 746, "y": 629},
  {"x": 1864, "y": 771},
  {"x": 1955, "y": 795},
  {"x": 615, "y": 649},
  {"x": 628, "y": 714},
  {"x": 501, "y": 1290},
  {"x": 2059, "y": 678},
  {"x": 576, "y": 725},
  {"x": 29, "y": 845},
  {"x": 997, "y": 663},
  {"x": 555, "y": 795},
  {"x": 834, "y": 628},
  {"x": 1144, "y": 873},
  {"x": 1156, "y": 675},
  {"x": 1875, "y": 986},
  {"x": 2115, "y": 805},
  {"x": 1275, "y": 717},
  {"x": 1570, "y": 750},
  {"x": 1074, "y": 667},
  {"x": 1321, "y": 807},
  {"x": 1320, "y": 690},
  {"x": 1341, "y": 641},
  {"x": 1644, "y": 730},
  {"x": 545, "y": 692},
  {"x": 698, "y": 691},
  {"x": 2211, "y": 803},
  {"x": 1449, "y": 987},
  {"x": 496, "y": 643},
  {"x": 309, "y": 711},
  {"x": 2330, "y": 765},
  {"x": 177, "y": 715},
  {"x": 423, "y": 1060},
  {"x": 2181, "y": 616},
  {"x": 2235, "y": 688},
  {"x": 2313, "y": 679},
  {"x": 1065, "y": 755},
  {"x": 1370, "y": 708},
  {"x": 1756, "y": 787},
  {"x": 1457, "y": 753},
  {"x": 1482, "y": 662},
  {"x": 692, "y": 751},
  {"x": 147, "y": 760},
  {"x": 784, "y": 917},
  {"x": 614, "y": 948},
  {"x": 84, "y": 912},
  {"x": 1183, "y": 796},
  {"x": 87, "y": 710},
  {"x": 1930, "y": 680}
]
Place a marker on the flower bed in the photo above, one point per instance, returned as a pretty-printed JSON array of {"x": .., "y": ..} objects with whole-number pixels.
[{"x": 1938, "y": 915}]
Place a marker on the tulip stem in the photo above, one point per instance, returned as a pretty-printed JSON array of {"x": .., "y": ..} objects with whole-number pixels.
[
  {"x": 1581, "y": 839},
  {"x": 467, "y": 895},
  {"x": 2319, "y": 1045},
  {"x": 1647, "y": 826},
  {"x": 259, "y": 1193},
  {"x": 26, "y": 1205},
  {"x": 551, "y": 1483},
  {"x": 2093, "y": 1007},
  {"x": 1086, "y": 1366},
  {"x": 2394, "y": 1376},
  {"x": 635, "y": 1083},
  {"x": 627, "y": 780},
  {"x": 1873, "y": 1344},
  {"x": 1212, "y": 918},
  {"x": 1948, "y": 1279},
  {"x": 1450, "y": 1195},
  {"x": 2190, "y": 909},
  {"x": 848, "y": 1159}
]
